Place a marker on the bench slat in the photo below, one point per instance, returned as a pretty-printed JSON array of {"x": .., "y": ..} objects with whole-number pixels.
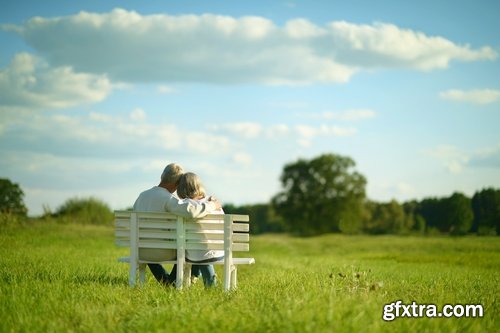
[
  {"x": 236, "y": 261},
  {"x": 190, "y": 237},
  {"x": 124, "y": 214},
  {"x": 241, "y": 227},
  {"x": 148, "y": 233},
  {"x": 164, "y": 244},
  {"x": 200, "y": 236}
]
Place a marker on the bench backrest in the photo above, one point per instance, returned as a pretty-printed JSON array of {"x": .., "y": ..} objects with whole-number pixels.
[{"x": 228, "y": 232}]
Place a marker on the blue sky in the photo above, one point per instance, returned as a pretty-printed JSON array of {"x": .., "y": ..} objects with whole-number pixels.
[{"x": 96, "y": 98}]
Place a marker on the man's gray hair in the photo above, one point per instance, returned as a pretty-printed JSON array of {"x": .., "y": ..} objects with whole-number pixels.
[{"x": 172, "y": 173}]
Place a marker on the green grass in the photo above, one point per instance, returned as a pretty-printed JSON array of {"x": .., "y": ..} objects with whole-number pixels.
[{"x": 63, "y": 278}]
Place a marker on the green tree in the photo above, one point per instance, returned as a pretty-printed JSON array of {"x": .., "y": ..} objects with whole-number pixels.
[
  {"x": 432, "y": 210},
  {"x": 459, "y": 214},
  {"x": 486, "y": 207},
  {"x": 321, "y": 195},
  {"x": 263, "y": 219},
  {"x": 414, "y": 221},
  {"x": 11, "y": 198},
  {"x": 385, "y": 218},
  {"x": 449, "y": 215}
]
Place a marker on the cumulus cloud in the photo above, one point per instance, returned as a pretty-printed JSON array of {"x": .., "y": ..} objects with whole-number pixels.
[
  {"x": 30, "y": 83},
  {"x": 277, "y": 131},
  {"x": 456, "y": 160},
  {"x": 384, "y": 45},
  {"x": 452, "y": 157},
  {"x": 138, "y": 114},
  {"x": 166, "y": 90},
  {"x": 345, "y": 115},
  {"x": 305, "y": 134},
  {"x": 100, "y": 134},
  {"x": 132, "y": 47},
  {"x": 477, "y": 96},
  {"x": 488, "y": 157},
  {"x": 243, "y": 159},
  {"x": 247, "y": 130}
]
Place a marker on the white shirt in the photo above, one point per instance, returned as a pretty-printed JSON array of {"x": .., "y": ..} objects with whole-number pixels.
[
  {"x": 158, "y": 199},
  {"x": 200, "y": 255}
]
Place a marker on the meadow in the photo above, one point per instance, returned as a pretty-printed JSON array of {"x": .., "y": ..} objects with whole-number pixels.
[{"x": 65, "y": 278}]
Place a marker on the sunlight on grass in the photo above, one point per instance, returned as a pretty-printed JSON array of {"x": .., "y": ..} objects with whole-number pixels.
[{"x": 66, "y": 278}]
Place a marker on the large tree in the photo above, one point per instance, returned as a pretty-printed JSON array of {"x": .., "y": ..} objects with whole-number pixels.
[
  {"x": 459, "y": 213},
  {"x": 11, "y": 198},
  {"x": 486, "y": 207},
  {"x": 385, "y": 218},
  {"x": 450, "y": 215},
  {"x": 321, "y": 195}
]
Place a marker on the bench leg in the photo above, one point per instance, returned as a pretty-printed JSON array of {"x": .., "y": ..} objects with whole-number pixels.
[
  {"x": 234, "y": 272},
  {"x": 132, "y": 274},
  {"x": 187, "y": 275},
  {"x": 180, "y": 274},
  {"x": 227, "y": 277},
  {"x": 142, "y": 273}
]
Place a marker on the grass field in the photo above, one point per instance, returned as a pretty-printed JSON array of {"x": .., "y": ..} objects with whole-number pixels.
[{"x": 63, "y": 278}]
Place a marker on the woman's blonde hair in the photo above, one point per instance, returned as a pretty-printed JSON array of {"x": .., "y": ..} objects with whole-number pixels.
[{"x": 190, "y": 186}]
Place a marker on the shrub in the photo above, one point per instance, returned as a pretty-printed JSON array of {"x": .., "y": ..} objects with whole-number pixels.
[
  {"x": 85, "y": 211},
  {"x": 11, "y": 198}
]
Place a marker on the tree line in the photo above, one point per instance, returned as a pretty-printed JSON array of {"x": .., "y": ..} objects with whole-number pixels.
[
  {"x": 326, "y": 194},
  {"x": 321, "y": 195}
]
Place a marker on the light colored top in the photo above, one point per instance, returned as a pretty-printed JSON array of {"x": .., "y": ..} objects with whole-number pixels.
[
  {"x": 158, "y": 199},
  {"x": 200, "y": 255}
]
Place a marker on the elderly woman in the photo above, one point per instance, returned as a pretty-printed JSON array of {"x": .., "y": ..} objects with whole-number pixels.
[{"x": 190, "y": 187}]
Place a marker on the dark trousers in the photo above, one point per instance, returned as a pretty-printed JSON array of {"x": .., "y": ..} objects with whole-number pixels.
[{"x": 207, "y": 271}]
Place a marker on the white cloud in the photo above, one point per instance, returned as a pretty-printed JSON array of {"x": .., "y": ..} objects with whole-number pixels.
[
  {"x": 477, "y": 96},
  {"x": 302, "y": 28},
  {"x": 247, "y": 130},
  {"x": 307, "y": 133},
  {"x": 407, "y": 190},
  {"x": 387, "y": 190},
  {"x": 487, "y": 157},
  {"x": 384, "y": 45},
  {"x": 29, "y": 82},
  {"x": 277, "y": 131},
  {"x": 456, "y": 160},
  {"x": 166, "y": 90},
  {"x": 100, "y": 117},
  {"x": 102, "y": 134},
  {"x": 346, "y": 115},
  {"x": 452, "y": 157},
  {"x": 138, "y": 114},
  {"x": 223, "y": 49},
  {"x": 199, "y": 142},
  {"x": 243, "y": 159},
  {"x": 304, "y": 134}
]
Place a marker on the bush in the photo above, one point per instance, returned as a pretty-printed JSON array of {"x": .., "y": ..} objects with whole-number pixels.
[
  {"x": 7, "y": 219},
  {"x": 11, "y": 198},
  {"x": 85, "y": 211}
]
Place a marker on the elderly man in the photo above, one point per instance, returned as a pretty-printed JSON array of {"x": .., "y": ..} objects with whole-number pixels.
[{"x": 160, "y": 199}]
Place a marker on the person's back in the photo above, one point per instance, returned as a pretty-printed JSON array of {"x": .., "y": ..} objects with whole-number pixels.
[
  {"x": 191, "y": 189},
  {"x": 161, "y": 199},
  {"x": 154, "y": 200}
]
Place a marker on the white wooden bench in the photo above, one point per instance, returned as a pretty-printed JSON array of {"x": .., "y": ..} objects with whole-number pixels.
[{"x": 162, "y": 231}]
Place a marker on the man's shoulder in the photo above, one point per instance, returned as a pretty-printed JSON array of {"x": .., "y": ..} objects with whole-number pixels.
[{"x": 155, "y": 190}]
